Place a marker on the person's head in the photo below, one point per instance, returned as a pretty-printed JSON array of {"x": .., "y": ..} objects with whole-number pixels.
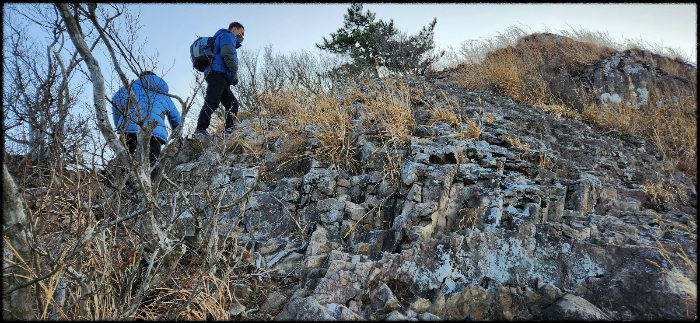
[{"x": 237, "y": 29}]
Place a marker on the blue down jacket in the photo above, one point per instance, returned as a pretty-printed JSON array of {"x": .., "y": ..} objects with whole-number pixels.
[
  {"x": 155, "y": 106},
  {"x": 225, "y": 59}
]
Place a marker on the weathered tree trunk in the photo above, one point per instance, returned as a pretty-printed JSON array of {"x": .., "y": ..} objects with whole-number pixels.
[
  {"x": 15, "y": 228},
  {"x": 168, "y": 250}
]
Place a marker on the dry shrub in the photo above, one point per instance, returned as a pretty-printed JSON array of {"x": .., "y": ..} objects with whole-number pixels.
[
  {"x": 207, "y": 300},
  {"x": 393, "y": 168},
  {"x": 280, "y": 103},
  {"x": 515, "y": 142},
  {"x": 523, "y": 72},
  {"x": 292, "y": 159},
  {"x": 90, "y": 280},
  {"x": 446, "y": 115},
  {"x": 502, "y": 70},
  {"x": 662, "y": 195},
  {"x": 335, "y": 135},
  {"x": 472, "y": 130},
  {"x": 470, "y": 217},
  {"x": 488, "y": 117},
  {"x": 300, "y": 107},
  {"x": 443, "y": 110}
]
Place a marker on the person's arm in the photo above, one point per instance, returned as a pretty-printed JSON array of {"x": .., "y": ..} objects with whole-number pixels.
[
  {"x": 173, "y": 115},
  {"x": 228, "y": 55}
]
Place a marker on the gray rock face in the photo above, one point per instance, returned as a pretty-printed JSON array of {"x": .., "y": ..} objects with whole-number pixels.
[{"x": 470, "y": 228}]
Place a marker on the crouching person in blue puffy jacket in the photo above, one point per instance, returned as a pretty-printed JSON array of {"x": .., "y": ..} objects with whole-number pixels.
[{"x": 154, "y": 106}]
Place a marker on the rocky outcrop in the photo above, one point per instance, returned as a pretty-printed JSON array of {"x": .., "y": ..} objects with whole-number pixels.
[
  {"x": 577, "y": 73},
  {"x": 555, "y": 227},
  {"x": 629, "y": 76}
]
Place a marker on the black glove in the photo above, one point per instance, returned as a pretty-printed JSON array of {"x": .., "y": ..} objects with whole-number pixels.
[{"x": 235, "y": 80}]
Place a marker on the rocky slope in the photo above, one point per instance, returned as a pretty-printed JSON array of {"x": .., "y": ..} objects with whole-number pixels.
[{"x": 539, "y": 218}]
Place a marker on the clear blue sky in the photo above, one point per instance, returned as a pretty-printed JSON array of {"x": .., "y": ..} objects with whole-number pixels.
[{"x": 171, "y": 28}]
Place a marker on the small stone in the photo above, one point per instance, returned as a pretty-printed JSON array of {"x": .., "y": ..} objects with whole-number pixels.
[
  {"x": 429, "y": 317},
  {"x": 236, "y": 309},
  {"x": 241, "y": 290},
  {"x": 273, "y": 303},
  {"x": 421, "y": 305},
  {"x": 396, "y": 316},
  {"x": 572, "y": 307}
]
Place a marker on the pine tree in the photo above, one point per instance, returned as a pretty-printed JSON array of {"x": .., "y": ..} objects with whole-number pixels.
[{"x": 373, "y": 44}]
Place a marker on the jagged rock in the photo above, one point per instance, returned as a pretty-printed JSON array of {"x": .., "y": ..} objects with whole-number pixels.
[
  {"x": 273, "y": 302},
  {"x": 342, "y": 313},
  {"x": 241, "y": 291},
  {"x": 308, "y": 309},
  {"x": 236, "y": 309},
  {"x": 420, "y": 305},
  {"x": 305, "y": 309},
  {"x": 318, "y": 243},
  {"x": 331, "y": 209},
  {"x": 262, "y": 216},
  {"x": 584, "y": 193},
  {"x": 386, "y": 301},
  {"x": 396, "y": 316},
  {"x": 573, "y": 308},
  {"x": 428, "y": 317}
]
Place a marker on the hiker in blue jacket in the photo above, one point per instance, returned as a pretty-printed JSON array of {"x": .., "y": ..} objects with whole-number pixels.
[
  {"x": 220, "y": 75},
  {"x": 154, "y": 106}
]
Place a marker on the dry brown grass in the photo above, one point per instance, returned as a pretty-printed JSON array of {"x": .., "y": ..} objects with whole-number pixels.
[
  {"x": 470, "y": 217},
  {"x": 560, "y": 110},
  {"x": 387, "y": 109},
  {"x": 336, "y": 138},
  {"x": 671, "y": 127},
  {"x": 206, "y": 301},
  {"x": 442, "y": 109},
  {"x": 446, "y": 115},
  {"x": 662, "y": 193},
  {"x": 488, "y": 117},
  {"x": 324, "y": 110},
  {"x": 515, "y": 142},
  {"x": 472, "y": 130}
]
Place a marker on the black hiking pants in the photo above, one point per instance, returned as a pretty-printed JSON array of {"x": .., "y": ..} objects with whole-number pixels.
[
  {"x": 218, "y": 91},
  {"x": 154, "y": 152}
]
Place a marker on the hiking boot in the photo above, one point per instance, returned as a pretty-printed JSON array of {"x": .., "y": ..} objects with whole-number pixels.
[
  {"x": 202, "y": 133},
  {"x": 227, "y": 131}
]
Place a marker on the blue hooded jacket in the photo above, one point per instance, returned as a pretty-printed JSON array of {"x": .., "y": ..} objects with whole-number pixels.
[
  {"x": 160, "y": 106},
  {"x": 224, "y": 37}
]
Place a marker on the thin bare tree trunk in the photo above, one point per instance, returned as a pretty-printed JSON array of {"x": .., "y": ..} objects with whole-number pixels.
[{"x": 15, "y": 229}]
